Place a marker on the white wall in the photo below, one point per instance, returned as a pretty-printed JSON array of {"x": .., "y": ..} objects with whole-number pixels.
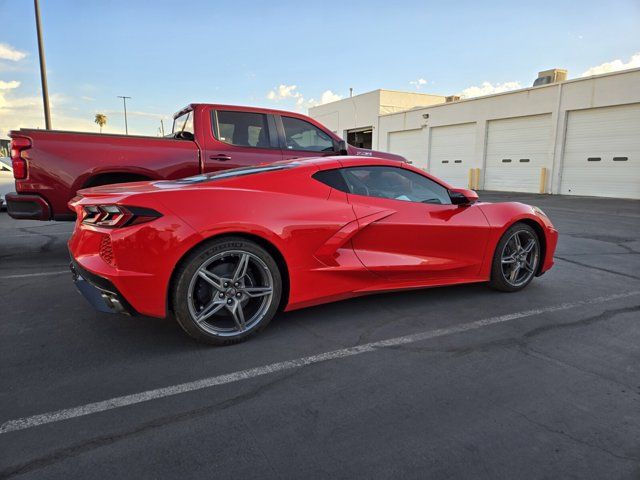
[
  {"x": 557, "y": 99},
  {"x": 363, "y": 111}
]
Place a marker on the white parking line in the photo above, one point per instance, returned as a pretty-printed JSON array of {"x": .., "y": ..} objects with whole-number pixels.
[
  {"x": 123, "y": 401},
  {"x": 29, "y": 275}
]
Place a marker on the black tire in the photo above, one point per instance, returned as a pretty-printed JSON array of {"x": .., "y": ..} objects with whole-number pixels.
[
  {"x": 188, "y": 281},
  {"x": 499, "y": 279}
]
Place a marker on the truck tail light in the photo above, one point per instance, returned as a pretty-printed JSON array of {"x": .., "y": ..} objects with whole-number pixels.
[
  {"x": 117, "y": 216},
  {"x": 19, "y": 146}
]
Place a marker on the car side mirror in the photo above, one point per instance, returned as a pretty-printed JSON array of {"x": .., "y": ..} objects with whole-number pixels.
[
  {"x": 462, "y": 196},
  {"x": 341, "y": 148}
]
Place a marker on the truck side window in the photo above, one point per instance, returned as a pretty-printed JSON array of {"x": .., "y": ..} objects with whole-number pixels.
[
  {"x": 301, "y": 135},
  {"x": 244, "y": 129}
]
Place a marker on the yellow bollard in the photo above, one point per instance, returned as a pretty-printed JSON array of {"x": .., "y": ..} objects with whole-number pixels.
[
  {"x": 543, "y": 180},
  {"x": 470, "y": 183}
]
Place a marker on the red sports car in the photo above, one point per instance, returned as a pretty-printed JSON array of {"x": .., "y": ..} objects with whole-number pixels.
[{"x": 224, "y": 252}]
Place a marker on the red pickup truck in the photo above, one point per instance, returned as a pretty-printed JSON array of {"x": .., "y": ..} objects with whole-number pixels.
[{"x": 50, "y": 166}]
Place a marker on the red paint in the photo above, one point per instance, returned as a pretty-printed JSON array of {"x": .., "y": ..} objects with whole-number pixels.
[
  {"x": 335, "y": 245},
  {"x": 54, "y": 165}
]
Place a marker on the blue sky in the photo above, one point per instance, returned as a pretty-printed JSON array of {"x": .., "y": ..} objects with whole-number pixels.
[{"x": 166, "y": 54}]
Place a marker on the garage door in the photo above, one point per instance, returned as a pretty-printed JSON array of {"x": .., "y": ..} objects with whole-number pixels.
[
  {"x": 602, "y": 152},
  {"x": 411, "y": 144},
  {"x": 517, "y": 150},
  {"x": 451, "y": 153}
]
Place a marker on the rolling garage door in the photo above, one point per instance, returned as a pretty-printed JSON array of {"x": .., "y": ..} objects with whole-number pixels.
[
  {"x": 411, "y": 144},
  {"x": 602, "y": 152},
  {"x": 517, "y": 150},
  {"x": 451, "y": 153}
]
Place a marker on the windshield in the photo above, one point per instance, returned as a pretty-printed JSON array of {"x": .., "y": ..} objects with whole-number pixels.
[{"x": 183, "y": 123}]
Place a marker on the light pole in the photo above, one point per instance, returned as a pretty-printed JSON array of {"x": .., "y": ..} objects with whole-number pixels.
[
  {"x": 124, "y": 102},
  {"x": 43, "y": 69}
]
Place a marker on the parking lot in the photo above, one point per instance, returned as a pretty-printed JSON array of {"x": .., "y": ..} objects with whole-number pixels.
[{"x": 459, "y": 382}]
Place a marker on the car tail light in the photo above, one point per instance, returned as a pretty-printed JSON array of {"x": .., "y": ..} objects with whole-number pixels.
[
  {"x": 18, "y": 146},
  {"x": 117, "y": 216}
]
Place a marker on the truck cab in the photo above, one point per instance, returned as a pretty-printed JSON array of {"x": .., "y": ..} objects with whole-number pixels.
[{"x": 234, "y": 136}]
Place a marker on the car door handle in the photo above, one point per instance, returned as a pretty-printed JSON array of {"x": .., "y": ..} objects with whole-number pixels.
[{"x": 221, "y": 157}]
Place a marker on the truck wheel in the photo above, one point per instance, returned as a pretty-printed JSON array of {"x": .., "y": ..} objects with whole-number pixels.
[
  {"x": 226, "y": 290},
  {"x": 516, "y": 259}
]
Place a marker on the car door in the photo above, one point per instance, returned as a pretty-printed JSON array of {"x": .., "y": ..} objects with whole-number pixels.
[
  {"x": 240, "y": 138},
  {"x": 300, "y": 138},
  {"x": 421, "y": 237}
]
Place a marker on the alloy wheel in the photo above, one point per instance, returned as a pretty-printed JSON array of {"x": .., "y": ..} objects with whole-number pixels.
[
  {"x": 230, "y": 293},
  {"x": 519, "y": 258}
]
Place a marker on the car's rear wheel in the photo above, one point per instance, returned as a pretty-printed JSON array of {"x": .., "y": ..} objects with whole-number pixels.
[
  {"x": 516, "y": 259},
  {"x": 226, "y": 291}
]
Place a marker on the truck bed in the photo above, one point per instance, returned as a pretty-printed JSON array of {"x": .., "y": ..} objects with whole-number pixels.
[{"x": 60, "y": 163}]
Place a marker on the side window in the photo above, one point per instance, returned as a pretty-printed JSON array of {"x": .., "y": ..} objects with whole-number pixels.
[
  {"x": 244, "y": 129},
  {"x": 332, "y": 178},
  {"x": 394, "y": 183},
  {"x": 184, "y": 123},
  {"x": 301, "y": 135}
]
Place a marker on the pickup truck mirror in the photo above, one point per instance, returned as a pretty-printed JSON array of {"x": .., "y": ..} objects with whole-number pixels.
[
  {"x": 184, "y": 135},
  {"x": 341, "y": 148}
]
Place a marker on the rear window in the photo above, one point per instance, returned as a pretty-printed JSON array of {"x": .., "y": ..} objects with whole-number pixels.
[
  {"x": 183, "y": 123},
  {"x": 234, "y": 172}
]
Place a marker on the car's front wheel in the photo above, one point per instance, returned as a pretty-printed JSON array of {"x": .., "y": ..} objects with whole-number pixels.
[
  {"x": 226, "y": 290},
  {"x": 516, "y": 259}
]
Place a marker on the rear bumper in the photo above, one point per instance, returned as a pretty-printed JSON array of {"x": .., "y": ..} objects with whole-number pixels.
[
  {"x": 24, "y": 206},
  {"x": 99, "y": 291}
]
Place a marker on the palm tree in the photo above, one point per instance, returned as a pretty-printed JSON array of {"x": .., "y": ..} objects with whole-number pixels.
[{"x": 101, "y": 119}]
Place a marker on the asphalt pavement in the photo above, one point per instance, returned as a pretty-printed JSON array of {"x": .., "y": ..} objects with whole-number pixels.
[{"x": 446, "y": 383}]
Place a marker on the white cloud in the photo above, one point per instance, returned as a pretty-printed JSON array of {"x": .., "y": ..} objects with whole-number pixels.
[
  {"x": 418, "y": 83},
  {"x": 291, "y": 93},
  {"x": 25, "y": 111},
  {"x": 9, "y": 85},
  {"x": 613, "y": 66},
  {"x": 327, "y": 97},
  {"x": 134, "y": 113},
  {"x": 487, "y": 88},
  {"x": 7, "y": 52},
  {"x": 283, "y": 92}
]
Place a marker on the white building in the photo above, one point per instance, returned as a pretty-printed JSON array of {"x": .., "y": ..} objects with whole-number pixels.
[
  {"x": 356, "y": 118},
  {"x": 575, "y": 137}
]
